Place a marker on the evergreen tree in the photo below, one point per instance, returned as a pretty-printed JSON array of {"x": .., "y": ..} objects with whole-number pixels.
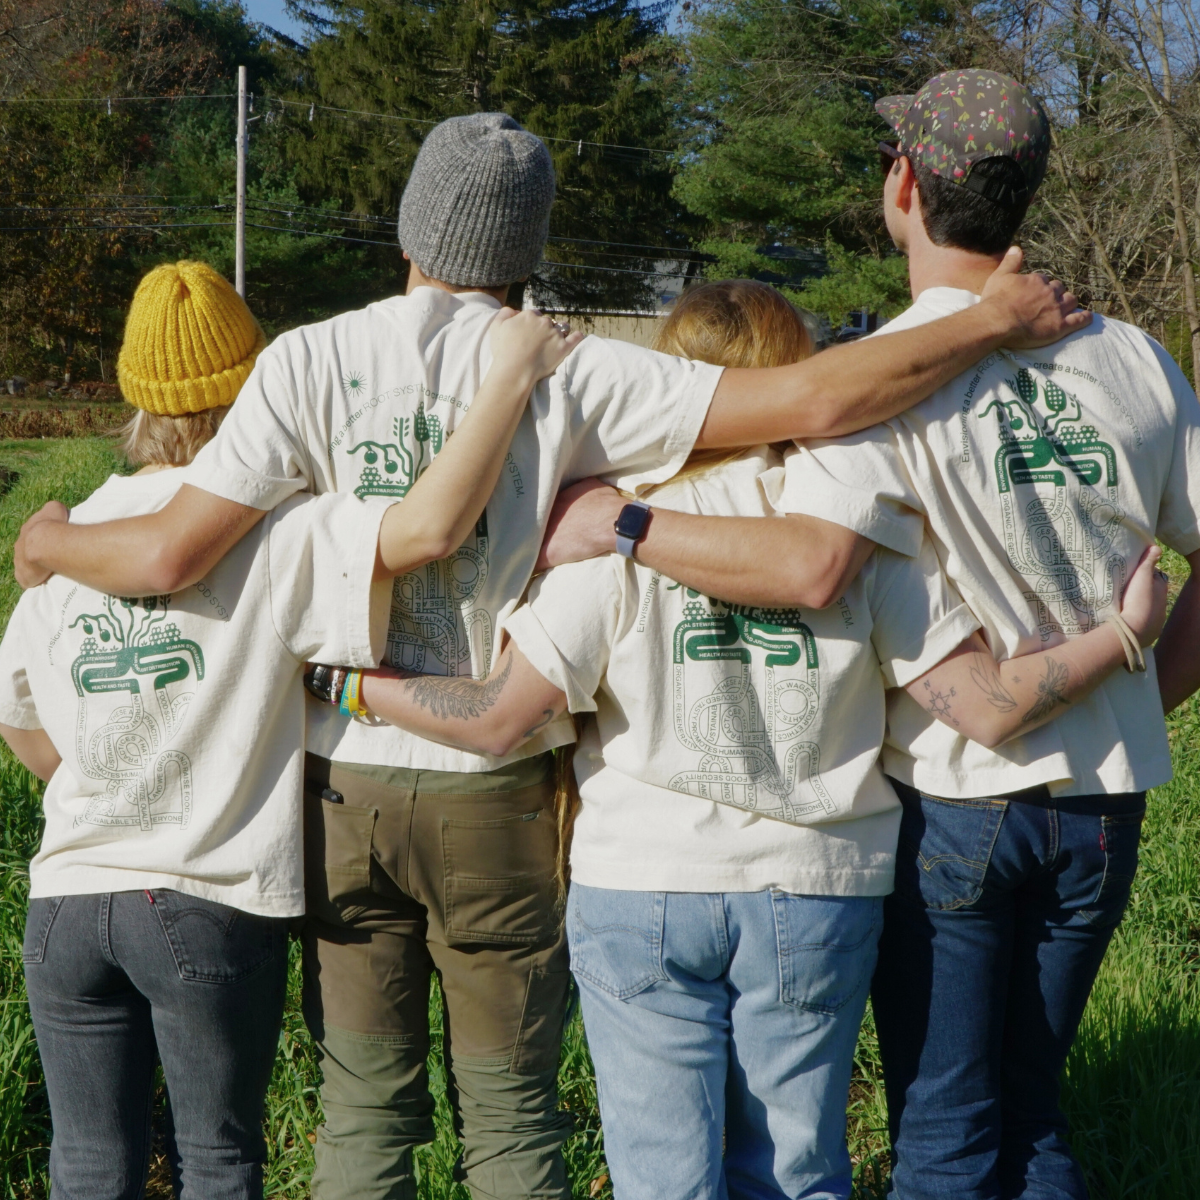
[
  {"x": 576, "y": 72},
  {"x": 782, "y": 135}
]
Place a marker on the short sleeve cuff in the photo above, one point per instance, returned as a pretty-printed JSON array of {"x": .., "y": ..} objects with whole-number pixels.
[
  {"x": 534, "y": 642},
  {"x": 19, "y": 716},
  {"x": 369, "y": 600},
  {"x": 940, "y": 639},
  {"x": 243, "y": 487},
  {"x": 865, "y": 513},
  {"x": 691, "y": 411}
]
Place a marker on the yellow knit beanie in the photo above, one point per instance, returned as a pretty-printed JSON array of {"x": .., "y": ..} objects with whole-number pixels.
[{"x": 190, "y": 341}]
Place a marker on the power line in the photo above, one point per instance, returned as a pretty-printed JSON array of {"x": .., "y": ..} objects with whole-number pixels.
[
  {"x": 382, "y": 223},
  {"x": 102, "y": 228},
  {"x": 111, "y": 99},
  {"x": 313, "y": 108},
  {"x": 93, "y": 227}
]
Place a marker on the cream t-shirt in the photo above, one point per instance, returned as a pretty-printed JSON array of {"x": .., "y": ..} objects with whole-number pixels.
[
  {"x": 363, "y": 402},
  {"x": 180, "y": 719},
  {"x": 1043, "y": 475},
  {"x": 734, "y": 748}
]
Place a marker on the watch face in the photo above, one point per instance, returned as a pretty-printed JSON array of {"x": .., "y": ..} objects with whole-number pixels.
[{"x": 632, "y": 521}]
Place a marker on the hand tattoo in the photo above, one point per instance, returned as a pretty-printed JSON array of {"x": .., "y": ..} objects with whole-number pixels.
[
  {"x": 939, "y": 703},
  {"x": 988, "y": 682},
  {"x": 1051, "y": 690},
  {"x": 547, "y": 717},
  {"x": 457, "y": 697}
]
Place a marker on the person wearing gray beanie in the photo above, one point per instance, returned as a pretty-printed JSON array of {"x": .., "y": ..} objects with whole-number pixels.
[{"x": 476, "y": 210}]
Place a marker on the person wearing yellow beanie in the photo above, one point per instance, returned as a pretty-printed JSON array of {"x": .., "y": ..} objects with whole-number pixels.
[
  {"x": 190, "y": 343},
  {"x": 171, "y": 731}
]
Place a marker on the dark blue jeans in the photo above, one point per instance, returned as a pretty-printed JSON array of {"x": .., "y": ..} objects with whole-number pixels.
[
  {"x": 119, "y": 981},
  {"x": 1002, "y": 912}
]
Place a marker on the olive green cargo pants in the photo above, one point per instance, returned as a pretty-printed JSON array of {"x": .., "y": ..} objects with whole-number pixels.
[{"x": 417, "y": 872}]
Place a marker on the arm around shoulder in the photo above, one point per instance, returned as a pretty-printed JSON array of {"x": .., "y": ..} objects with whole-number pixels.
[
  {"x": 155, "y": 554},
  {"x": 489, "y": 716}
]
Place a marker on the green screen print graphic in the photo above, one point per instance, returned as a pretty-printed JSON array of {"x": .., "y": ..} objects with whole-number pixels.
[
  {"x": 133, "y": 678},
  {"x": 434, "y": 626},
  {"x": 1057, "y": 483},
  {"x": 748, "y": 729}
]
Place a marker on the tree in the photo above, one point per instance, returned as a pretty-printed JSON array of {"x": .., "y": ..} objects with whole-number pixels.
[
  {"x": 70, "y": 171},
  {"x": 782, "y": 132},
  {"x": 586, "y": 75}
]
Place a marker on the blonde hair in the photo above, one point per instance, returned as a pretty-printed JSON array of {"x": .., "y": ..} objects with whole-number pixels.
[
  {"x": 735, "y": 323},
  {"x": 152, "y": 439},
  {"x": 732, "y": 323}
]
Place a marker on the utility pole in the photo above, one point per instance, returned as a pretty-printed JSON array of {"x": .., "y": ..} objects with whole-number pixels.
[{"x": 239, "y": 268}]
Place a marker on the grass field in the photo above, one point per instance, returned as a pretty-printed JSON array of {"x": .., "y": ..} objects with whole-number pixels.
[{"x": 1132, "y": 1085}]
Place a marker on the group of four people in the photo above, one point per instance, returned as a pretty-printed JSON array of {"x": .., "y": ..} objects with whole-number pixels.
[{"x": 852, "y": 628}]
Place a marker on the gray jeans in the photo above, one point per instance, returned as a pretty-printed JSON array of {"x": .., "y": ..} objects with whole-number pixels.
[{"x": 118, "y": 981}]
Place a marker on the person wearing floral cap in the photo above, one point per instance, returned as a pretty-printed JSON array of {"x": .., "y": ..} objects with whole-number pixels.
[{"x": 1042, "y": 479}]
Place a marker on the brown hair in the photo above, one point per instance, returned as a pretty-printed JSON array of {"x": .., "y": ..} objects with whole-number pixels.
[
  {"x": 732, "y": 323},
  {"x": 154, "y": 439}
]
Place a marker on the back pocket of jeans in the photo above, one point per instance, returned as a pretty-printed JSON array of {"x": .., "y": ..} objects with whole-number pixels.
[
  {"x": 827, "y": 947},
  {"x": 214, "y": 943},
  {"x": 616, "y": 938},
  {"x": 37, "y": 927},
  {"x": 945, "y": 848},
  {"x": 1120, "y": 835},
  {"x": 499, "y": 878}
]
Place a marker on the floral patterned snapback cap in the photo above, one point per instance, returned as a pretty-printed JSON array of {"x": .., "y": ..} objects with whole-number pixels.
[{"x": 961, "y": 117}]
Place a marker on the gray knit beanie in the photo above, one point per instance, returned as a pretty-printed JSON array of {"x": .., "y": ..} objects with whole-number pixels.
[{"x": 476, "y": 211}]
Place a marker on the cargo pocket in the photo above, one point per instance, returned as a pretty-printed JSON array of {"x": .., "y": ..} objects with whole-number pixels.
[
  {"x": 337, "y": 855},
  {"x": 499, "y": 874}
]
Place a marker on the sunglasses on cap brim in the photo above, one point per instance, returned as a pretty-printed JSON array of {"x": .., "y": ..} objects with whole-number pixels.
[{"x": 889, "y": 154}]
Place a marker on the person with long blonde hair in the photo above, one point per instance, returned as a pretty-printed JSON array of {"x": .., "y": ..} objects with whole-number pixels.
[{"x": 736, "y": 834}]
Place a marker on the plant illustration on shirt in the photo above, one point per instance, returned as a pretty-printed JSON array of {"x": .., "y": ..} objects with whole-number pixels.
[
  {"x": 739, "y": 736},
  {"x": 130, "y": 647},
  {"x": 433, "y": 621},
  {"x": 1060, "y": 542}
]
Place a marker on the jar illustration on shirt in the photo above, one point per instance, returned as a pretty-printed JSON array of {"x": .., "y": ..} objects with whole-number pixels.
[
  {"x": 434, "y": 625},
  {"x": 748, "y": 729},
  {"x": 131, "y": 676},
  {"x": 1057, "y": 483}
]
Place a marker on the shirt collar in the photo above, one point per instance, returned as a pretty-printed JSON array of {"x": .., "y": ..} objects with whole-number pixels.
[{"x": 462, "y": 297}]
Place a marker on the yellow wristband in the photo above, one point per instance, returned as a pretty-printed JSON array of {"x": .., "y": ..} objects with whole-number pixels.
[{"x": 352, "y": 705}]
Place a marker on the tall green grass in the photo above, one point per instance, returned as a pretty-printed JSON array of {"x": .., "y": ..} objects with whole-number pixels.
[{"x": 1132, "y": 1086}]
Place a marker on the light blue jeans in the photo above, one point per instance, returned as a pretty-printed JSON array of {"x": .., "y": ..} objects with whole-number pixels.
[{"x": 723, "y": 1018}]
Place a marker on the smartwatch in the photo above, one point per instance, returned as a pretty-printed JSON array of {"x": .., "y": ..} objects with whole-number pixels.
[{"x": 631, "y": 526}]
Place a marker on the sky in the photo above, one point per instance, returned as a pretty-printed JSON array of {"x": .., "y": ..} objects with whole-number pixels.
[{"x": 271, "y": 12}]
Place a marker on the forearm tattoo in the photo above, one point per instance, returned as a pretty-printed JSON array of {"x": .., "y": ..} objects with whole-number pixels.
[
  {"x": 1052, "y": 690},
  {"x": 463, "y": 699},
  {"x": 987, "y": 679},
  {"x": 547, "y": 717},
  {"x": 938, "y": 702}
]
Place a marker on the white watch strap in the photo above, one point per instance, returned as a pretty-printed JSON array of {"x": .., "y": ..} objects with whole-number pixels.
[{"x": 625, "y": 546}]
